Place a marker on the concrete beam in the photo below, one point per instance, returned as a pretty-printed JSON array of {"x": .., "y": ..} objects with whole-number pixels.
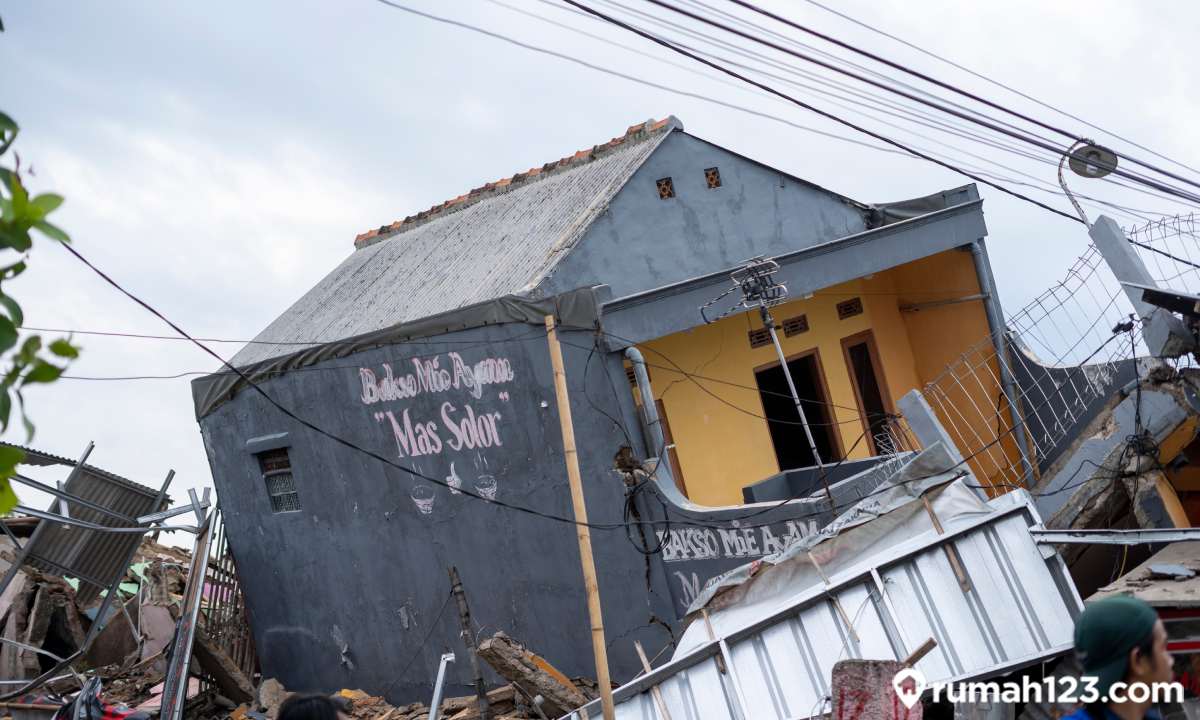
[
  {"x": 1164, "y": 333},
  {"x": 674, "y": 308}
]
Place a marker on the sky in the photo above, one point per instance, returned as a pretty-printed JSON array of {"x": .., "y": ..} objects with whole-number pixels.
[{"x": 218, "y": 158}]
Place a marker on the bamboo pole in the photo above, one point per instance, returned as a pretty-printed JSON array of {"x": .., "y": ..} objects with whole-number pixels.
[
  {"x": 655, "y": 690},
  {"x": 581, "y": 529}
]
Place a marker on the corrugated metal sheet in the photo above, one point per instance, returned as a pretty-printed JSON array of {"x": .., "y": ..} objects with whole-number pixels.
[
  {"x": 1019, "y": 610},
  {"x": 93, "y": 556},
  {"x": 501, "y": 245}
]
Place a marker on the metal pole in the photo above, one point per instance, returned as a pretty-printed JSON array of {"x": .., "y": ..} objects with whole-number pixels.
[
  {"x": 435, "y": 705},
  {"x": 995, "y": 318},
  {"x": 591, "y": 586},
  {"x": 113, "y": 589},
  {"x": 468, "y": 636},
  {"x": 174, "y": 695},
  {"x": 769, "y": 322}
]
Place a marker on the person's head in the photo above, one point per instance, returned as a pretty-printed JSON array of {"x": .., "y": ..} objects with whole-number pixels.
[
  {"x": 1121, "y": 639},
  {"x": 309, "y": 707}
]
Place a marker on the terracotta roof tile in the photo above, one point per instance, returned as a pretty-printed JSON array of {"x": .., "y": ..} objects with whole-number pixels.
[{"x": 504, "y": 184}]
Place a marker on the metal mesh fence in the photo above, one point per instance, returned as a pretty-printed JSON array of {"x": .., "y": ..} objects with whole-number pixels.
[{"x": 1062, "y": 359}]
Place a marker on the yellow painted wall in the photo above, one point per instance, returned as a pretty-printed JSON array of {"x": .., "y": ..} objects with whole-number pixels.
[
  {"x": 722, "y": 441},
  {"x": 971, "y": 407}
]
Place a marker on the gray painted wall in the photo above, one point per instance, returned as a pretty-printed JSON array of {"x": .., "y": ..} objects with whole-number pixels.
[
  {"x": 341, "y": 593},
  {"x": 643, "y": 242}
]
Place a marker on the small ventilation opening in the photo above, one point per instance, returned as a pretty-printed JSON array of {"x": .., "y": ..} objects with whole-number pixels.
[
  {"x": 276, "y": 468},
  {"x": 712, "y": 176},
  {"x": 849, "y": 308},
  {"x": 666, "y": 188},
  {"x": 795, "y": 325},
  {"x": 760, "y": 337}
]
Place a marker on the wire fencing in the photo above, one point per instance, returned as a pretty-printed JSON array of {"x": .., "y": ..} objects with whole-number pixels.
[
  {"x": 1170, "y": 250},
  {"x": 1013, "y": 413}
]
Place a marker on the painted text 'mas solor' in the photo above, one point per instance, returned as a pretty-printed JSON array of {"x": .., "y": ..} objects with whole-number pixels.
[
  {"x": 428, "y": 376},
  {"x": 466, "y": 430}
]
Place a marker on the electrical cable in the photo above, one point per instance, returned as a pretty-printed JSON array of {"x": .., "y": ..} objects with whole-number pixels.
[
  {"x": 530, "y": 511},
  {"x": 587, "y": 366},
  {"x": 944, "y": 85},
  {"x": 703, "y": 98},
  {"x": 424, "y": 641},
  {"x": 997, "y": 83},
  {"x": 348, "y": 443},
  {"x": 822, "y": 113},
  {"x": 908, "y": 113},
  {"x": 901, "y": 148},
  {"x": 988, "y": 123},
  {"x": 284, "y": 343},
  {"x": 1153, "y": 249},
  {"x": 632, "y": 78}
]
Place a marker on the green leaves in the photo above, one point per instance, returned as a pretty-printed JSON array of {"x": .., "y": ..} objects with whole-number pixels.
[
  {"x": 42, "y": 372},
  {"x": 24, "y": 361},
  {"x": 64, "y": 349},
  {"x": 9, "y": 458},
  {"x": 8, "y": 131}
]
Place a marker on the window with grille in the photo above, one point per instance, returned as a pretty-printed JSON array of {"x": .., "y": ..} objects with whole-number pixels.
[
  {"x": 849, "y": 308},
  {"x": 666, "y": 188},
  {"x": 795, "y": 325},
  {"x": 712, "y": 176},
  {"x": 277, "y": 475}
]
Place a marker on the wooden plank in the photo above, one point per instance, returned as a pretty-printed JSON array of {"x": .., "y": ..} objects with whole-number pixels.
[
  {"x": 515, "y": 664},
  {"x": 224, "y": 671}
]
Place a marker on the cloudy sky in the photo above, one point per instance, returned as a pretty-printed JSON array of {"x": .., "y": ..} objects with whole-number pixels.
[{"x": 218, "y": 158}]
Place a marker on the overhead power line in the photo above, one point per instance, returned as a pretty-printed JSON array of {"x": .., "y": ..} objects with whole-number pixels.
[
  {"x": 995, "y": 82},
  {"x": 942, "y": 84},
  {"x": 988, "y": 123},
  {"x": 632, "y": 78},
  {"x": 822, "y": 113},
  {"x": 749, "y": 53},
  {"x": 951, "y": 125}
]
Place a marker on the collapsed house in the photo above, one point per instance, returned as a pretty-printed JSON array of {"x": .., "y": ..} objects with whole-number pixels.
[
  {"x": 97, "y": 616},
  {"x": 427, "y": 348}
]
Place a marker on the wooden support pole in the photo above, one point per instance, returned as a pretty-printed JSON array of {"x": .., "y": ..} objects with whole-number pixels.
[
  {"x": 599, "y": 649},
  {"x": 712, "y": 635},
  {"x": 837, "y": 605},
  {"x": 951, "y": 552},
  {"x": 468, "y": 636},
  {"x": 655, "y": 690},
  {"x": 916, "y": 655}
]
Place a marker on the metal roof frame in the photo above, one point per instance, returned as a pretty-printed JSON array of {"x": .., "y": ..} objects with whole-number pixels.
[
  {"x": 111, "y": 547},
  {"x": 772, "y": 668}
]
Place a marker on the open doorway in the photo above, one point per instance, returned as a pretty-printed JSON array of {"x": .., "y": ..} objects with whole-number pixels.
[
  {"x": 787, "y": 434},
  {"x": 862, "y": 360}
]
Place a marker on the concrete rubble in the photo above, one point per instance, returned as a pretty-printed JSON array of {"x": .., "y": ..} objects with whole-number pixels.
[
  {"x": 536, "y": 690},
  {"x": 128, "y": 653}
]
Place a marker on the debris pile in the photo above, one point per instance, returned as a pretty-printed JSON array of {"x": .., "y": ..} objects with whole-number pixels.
[
  {"x": 535, "y": 690},
  {"x": 128, "y": 654}
]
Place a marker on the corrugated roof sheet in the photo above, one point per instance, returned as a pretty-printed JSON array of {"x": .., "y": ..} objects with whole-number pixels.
[
  {"x": 43, "y": 459},
  {"x": 92, "y": 556},
  {"x": 1017, "y": 609},
  {"x": 498, "y": 241}
]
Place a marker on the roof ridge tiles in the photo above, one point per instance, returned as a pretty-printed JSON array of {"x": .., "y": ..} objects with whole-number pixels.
[{"x": 635, "y": 132}]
